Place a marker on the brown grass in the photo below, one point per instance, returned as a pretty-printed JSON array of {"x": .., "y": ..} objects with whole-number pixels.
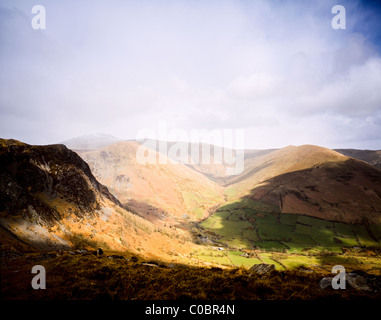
[{"x": 87, "y": 277}]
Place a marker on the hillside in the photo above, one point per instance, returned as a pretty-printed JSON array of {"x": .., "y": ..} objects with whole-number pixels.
[
  {"x": 314, "y": 181},
  {"x": 372, "y": 157},
  {"x": 49, "y": 199},
  {"x": 159, "y": 192},
  {"x": 306, "y": 200},
  {"x": 53, "y": 211}
]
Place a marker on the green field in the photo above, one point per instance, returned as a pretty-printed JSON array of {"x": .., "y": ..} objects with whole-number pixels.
[
  {"x": 250, "y": 225},
  {"x": 320, "y": 259}
]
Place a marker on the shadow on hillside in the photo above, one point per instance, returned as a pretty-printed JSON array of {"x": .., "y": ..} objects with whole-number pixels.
[
  {"x": 156, "y": 215},
  {"x": 306, "y": 190},
  {"x": 346, "y": 191}
]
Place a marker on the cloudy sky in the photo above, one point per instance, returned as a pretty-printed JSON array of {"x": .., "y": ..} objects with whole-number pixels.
[{"x": 276, "y": 69}]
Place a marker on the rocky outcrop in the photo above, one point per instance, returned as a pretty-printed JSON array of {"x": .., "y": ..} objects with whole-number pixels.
[
  {"x": 358, "y": 279},
  {"x": 262, "y": 268},
  {"x": 32, "y": 178}
]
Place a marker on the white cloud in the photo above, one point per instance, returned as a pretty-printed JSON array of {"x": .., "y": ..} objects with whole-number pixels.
[{"x": 277, "y": 69}]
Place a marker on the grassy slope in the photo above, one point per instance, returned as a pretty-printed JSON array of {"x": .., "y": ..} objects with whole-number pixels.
[
  {"x": 314, "y": 181},
  {"x": 88, "y": 277}
]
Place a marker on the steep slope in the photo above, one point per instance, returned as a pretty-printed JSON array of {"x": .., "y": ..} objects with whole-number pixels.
[
  {"x": 159, "y": 192},
  {"x": 313, "y": 181},
  {"x": 52, "y": 171},
  {"x": 49, "y": 199}
]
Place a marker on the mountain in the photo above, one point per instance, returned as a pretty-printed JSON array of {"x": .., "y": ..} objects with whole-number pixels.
[
  {"x": 50, "y": 199},
  {"x": 295, "y": 198},
  {"x": 216, "y": 167},
  {"x": 304, "y": 206},
  {"x": 193, "y": 155},
  {"x": 314, "y": 181},
  {"x": 308, "y": 180},
  {"x": 161, "y": 192},
  {"x": 90, "y": 142},
  {"x": 372, "y": 157}
]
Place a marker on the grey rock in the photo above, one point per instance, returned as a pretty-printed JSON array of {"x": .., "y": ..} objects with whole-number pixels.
[
  {"x": 361, "y": 280},
  {"x": 358, "y": 282},
  {"x": 149, "y": 264},
  {"x": 325, "y": 282},
  {"x": 115, "y": 256},
  {"x": 262, "y": 268}
]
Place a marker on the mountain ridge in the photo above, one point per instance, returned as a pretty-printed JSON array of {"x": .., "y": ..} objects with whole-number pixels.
[
  {"x": 299, "y": 163},
  {"x": 307, "y": 180},
  {"x": 90, "y": 141},
  {"x": 315, "y": 181},
  {"x": 51, "y": 200}
]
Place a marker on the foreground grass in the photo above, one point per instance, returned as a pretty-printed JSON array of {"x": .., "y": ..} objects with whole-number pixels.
[{"x": 86, "y": 276}]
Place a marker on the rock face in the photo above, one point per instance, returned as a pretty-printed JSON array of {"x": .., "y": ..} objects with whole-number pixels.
[
  {"x": 50, "y": 200},
  {"x": 47, "y": 195},
  {"x": 33, "y": 177}
]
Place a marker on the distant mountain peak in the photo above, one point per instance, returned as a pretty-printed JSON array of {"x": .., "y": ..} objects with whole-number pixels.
[{"x": 91, "y": 141}]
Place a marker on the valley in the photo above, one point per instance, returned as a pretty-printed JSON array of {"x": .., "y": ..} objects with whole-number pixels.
[
  {"x": 161, "y": 193},
  {"x": 206, "y": 152},
  {"x": 301, "y": 209},
  {"x": 249, "y": 233},
  {"x": 299, "y": 223}
]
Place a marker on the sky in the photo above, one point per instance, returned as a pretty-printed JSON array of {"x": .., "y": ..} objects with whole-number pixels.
[{"x": 275, "y": 69}]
